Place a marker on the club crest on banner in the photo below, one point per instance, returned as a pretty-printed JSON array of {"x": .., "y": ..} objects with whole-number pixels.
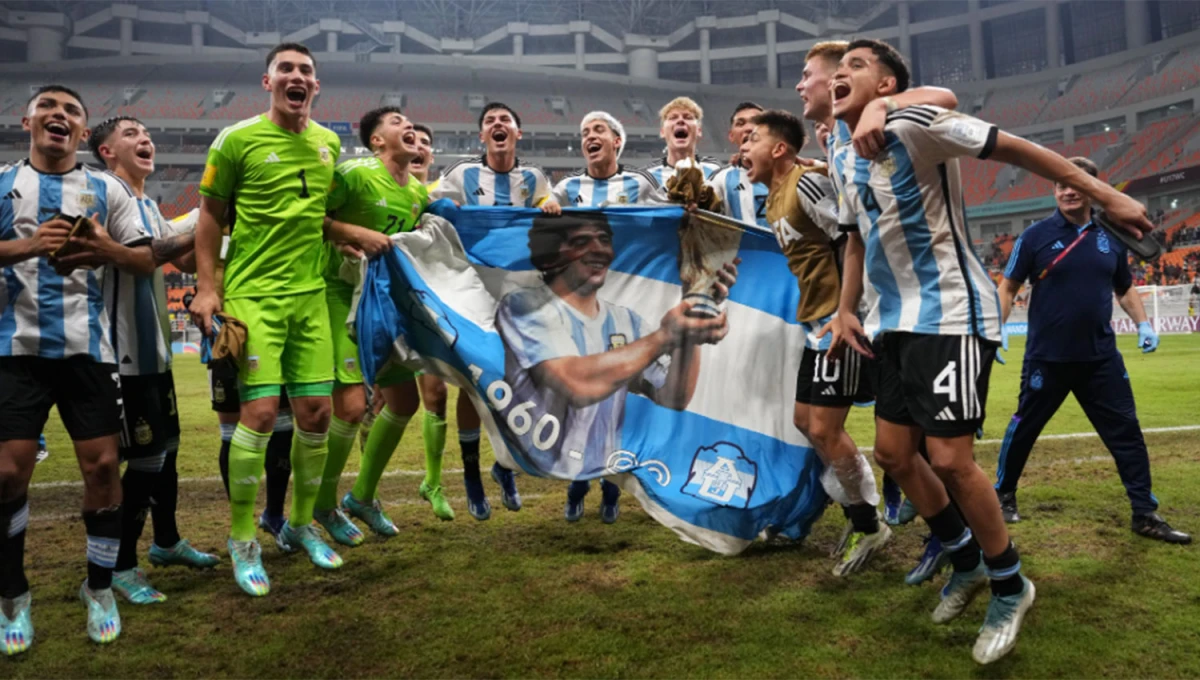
[{"x": 723, "y": 475}]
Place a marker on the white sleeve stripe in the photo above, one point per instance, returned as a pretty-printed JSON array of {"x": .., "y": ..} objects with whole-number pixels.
[
  {"x": 923, "y": 122},
  {"x": 220, "y": 140}
]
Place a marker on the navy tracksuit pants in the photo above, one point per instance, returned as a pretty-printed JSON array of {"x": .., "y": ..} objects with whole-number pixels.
[{"x": 1102, "y": 390}]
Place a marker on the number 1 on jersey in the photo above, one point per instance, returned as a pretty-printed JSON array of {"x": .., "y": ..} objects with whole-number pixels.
[{"x": 303, "y": 185}]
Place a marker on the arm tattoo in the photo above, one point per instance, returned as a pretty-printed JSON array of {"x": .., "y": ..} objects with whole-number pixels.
[{"x": 172, "y": 247}]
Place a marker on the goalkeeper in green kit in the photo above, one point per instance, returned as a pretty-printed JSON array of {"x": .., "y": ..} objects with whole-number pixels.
[
  {"x": 372, "y": 198},
  {"x": 279, "y": 166}
]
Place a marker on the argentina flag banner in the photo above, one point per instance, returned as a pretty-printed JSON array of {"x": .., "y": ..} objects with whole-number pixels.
[{"x": 570, "y": 335}]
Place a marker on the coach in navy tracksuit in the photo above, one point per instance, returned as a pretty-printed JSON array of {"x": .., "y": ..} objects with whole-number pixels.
[{"x": 1075, "y": 267}]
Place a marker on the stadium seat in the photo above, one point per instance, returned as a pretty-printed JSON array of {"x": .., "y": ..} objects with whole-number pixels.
[
  {"x": 1091, "y": 92},
  {"x": 1180, "y": 72}
]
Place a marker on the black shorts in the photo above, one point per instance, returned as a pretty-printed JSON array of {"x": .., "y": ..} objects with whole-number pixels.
[
  {"x": 835, "y": 383},
  {"x": 151, "y": 422},
  {"x": 87, "y": 393},
  {"x": 223, "y": 390},
  {"x": 936, "y": 382}
]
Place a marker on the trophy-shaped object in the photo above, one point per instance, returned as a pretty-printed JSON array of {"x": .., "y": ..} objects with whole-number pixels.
[{"x": 707, "y": 242}]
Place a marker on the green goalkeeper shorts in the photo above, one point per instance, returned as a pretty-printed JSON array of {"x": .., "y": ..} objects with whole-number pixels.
[
  {"x": 346, "y": 370},
  {"x": 288, "y": 343}
]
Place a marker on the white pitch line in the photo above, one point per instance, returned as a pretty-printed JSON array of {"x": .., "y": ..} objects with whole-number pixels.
[
  {"x": 414, "y": 473},
  {"x": 1078, "y": 435}
]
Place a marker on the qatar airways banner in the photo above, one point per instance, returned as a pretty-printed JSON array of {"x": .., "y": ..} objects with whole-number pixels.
[
  {"x": 1163, "y": 324},
  {"x": 574, "y": 342}
]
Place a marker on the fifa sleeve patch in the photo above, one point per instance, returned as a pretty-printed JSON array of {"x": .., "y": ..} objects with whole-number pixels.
[{"x": 210, "y": 176}]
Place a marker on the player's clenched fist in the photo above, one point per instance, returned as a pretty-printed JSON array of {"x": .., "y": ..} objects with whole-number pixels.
[{"x": 203, "y": 307}]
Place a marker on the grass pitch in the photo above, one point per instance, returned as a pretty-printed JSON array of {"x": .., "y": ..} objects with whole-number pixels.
[{"x": 525, "y": 594}]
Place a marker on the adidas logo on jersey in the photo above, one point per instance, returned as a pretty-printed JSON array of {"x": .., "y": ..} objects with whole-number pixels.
[
  {"x": 480, "y": 191},
  {"x": 579, "y": 200},
  {"x": 739, "y": 187},
  {"x": 273, "y": 158},
  {"x": 946, "y": 414},
  {"x": 382, "y": 203},
  {"x": 12, "y": 194},
  {"x": 829, "y": 392},
  {"x": 1057, "y": 246}
]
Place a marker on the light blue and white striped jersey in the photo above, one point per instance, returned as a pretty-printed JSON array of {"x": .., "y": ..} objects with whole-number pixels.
[
  {"x": 537, "y": 326},
  {"x": 662, "y": 172},
  {"x": 908, "y": 206},
  {"x": 472, "y": 182},
  {"x": 42, "y": 313},
  {"x": 142, "y": 337},
  {"x": 627, "y": 187},
  {"x": 743, "y": 200}
]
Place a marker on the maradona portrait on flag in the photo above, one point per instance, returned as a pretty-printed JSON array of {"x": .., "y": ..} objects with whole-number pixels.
[
  {"x": 575, "y": 355},
  {"x": 622, "y": 342}
]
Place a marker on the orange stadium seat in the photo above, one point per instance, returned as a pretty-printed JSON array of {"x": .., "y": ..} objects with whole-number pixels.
[
  {"x": 1180, "y": 73},
  {"x": 1141, "y": 144},
  {"x": 1033, "y": 186},
  {"x": 1092, "y": 92},
  {"x": 1014, "y": 106},
  {"x": 1171, "y": 157}
]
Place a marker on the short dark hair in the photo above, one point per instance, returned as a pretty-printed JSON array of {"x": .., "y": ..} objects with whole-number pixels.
[
  {"x": 370, "y": 121},
  {"x": 887, "y": 55},
  {"x": 548, "y": 233},
  {"x": 492, "y": 106},
  {"x": 103, "y": 130},
  {"x": 56, "y": 88},
  {"x": 1085, "y": 164},
  {"x": 742, "y": 107},
  {"x": 290, "y": 47},
  {"x": 421, "y": 127},
  {"x": 784, "y": 126}
]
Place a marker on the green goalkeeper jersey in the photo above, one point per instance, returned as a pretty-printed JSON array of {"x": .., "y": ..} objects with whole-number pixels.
[
  {"x": 364, "y": 193},
  {"x": 277, "y": 182}
]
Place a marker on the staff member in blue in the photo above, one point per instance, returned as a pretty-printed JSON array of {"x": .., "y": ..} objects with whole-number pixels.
[{"x": 1074, "y": 268}]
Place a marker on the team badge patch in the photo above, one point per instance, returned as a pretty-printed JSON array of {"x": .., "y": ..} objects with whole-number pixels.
[
  {"x": 210, "y": 176},
  {"x": 325, "y": 155},
  {"x": 252, "y": 363},
  {"x": 1035, "y": 380},
  {"x": 219, "y": 393},
  {"x": 722, "y": 474},
  {"x": 416, "y": 209},
  {"x": 886, "y": 165},
  {"x": 142, "y": 433},
  {"x": 87, "y": 200},
  {"x": 617, "y": 340},
  {"x": 622, "y": 199},
  {"x": 1102, "y": 242},
  {"x": 350, "y": 363}
]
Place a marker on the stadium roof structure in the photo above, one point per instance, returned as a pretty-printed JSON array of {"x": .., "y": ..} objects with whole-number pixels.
[{"x": 470, "y": 19}]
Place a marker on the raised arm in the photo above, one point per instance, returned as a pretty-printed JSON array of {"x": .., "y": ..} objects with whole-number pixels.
[{"x": 1122, "y": 210}]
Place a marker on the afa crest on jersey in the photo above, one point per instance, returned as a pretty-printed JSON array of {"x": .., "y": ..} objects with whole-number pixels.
[
  {"x": 326, "y": 157},
  {"x": 617, "y": 340},
  {"x": 1102, "y": 242},
  {"x": 887, "y": 165},
  {"x": 87, "y": 200},
  {"x": 623, "y": 199},
  {"x": 142, "y": 433}
]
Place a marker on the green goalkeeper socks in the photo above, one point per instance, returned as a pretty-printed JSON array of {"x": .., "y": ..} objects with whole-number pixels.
[
  {"x": 433, "y": 431},
  {"x": 309, "y": 450},
  {"x": 247, "y": 454},
  {"x": 385, "y": 436},
  {"x": 341, "y": 440}
]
